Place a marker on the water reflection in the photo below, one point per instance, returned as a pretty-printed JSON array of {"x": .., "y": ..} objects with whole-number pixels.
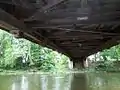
[
  {"x": 24, "y": 83},
  {"x": 106, "y": 81},
  {"x": 20, "y": 83},
  {"x": 57, "y": 84},
  {"x": 77, "y": 81},
  {"x": 44, "y": 81}
]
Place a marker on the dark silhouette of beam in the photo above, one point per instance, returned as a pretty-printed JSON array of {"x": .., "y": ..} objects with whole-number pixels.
[
  {"x": 109, "y": 43},
  {"x": 65, "y": 30},
  {"x": 8, "y": 22},
  {"x": 20, "y": 3},
  {"x": 47, "y": 7}
]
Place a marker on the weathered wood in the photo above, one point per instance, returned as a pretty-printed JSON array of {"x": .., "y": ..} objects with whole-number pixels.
[
  {"x": 109, "y": 43},
  {"x": 106, "y": 8},
  {"x": 45, "y": 8},
  {"x": 64, "y": 31},
  {"x": 19, "y": 3},
  {"x": 7, "y": 2},
  {"x": 23, "y": 3},
  {"x": 77, "y": 28},
  {"x": 9, "y": 22}
]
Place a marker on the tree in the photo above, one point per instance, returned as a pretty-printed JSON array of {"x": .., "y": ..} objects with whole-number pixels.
[{"x": 23, "y": 54}]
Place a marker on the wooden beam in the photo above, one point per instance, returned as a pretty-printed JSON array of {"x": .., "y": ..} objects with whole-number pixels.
[
  {"x": 8, "y": 22},
  {"x": 55, "y": 3},
  {"x": 48, "y": 6},
  {"x": 109, "y": 43},
  {"x": 39, "y": 25},
  {"x": 57, "y": 14},
  {"x": 65, "y": 30},
  {"x": 73, "y": 21},
  {"x": 80, "y": 15},
  {"x": 103, "y": 11},
  {"x": 24, "y": 3},
  {"x": 87, "y": 20},
  {"x": 45, "y": 2},
  {"x": 82, "y": 44},
  {"x": 71, "y": 37},
  {"x": 6, "y": 2}
]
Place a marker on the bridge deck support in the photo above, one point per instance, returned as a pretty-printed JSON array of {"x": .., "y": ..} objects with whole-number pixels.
[{"x": 81, "y": 64}]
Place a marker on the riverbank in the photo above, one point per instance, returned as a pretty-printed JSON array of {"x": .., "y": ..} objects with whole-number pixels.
[
  {"x": 28, "y": 72},
  {"x": 21, "y": 72}
]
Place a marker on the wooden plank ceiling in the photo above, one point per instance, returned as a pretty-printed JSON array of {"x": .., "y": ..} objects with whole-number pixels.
[{"x": 77, "y": 28}]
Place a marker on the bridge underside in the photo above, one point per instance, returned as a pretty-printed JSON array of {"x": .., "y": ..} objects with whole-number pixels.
[{"x": 77, "y": 28}]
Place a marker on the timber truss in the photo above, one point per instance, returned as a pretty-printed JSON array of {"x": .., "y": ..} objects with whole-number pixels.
[{"x": 77, "y": 28}]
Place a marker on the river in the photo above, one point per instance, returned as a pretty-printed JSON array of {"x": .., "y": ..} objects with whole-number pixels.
[{"x": 72, "y": 81}]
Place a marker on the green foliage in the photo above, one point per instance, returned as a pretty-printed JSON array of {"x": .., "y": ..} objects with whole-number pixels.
[
  {"x": 23, "y": 54},
  {"x": 108, "y": 59},
  {"x": 112, "y": 53},
  {"x": 111, "y": 66}
]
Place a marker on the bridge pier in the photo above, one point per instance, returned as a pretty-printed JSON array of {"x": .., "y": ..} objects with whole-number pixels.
[{"x": 78, "y": 64}]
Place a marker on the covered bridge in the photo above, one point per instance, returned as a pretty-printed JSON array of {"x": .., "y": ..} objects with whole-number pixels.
[{"x": 76, "y": 28}]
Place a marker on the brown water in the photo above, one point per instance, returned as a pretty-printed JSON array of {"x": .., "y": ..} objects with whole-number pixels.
[{"x": 99, "y": 81}]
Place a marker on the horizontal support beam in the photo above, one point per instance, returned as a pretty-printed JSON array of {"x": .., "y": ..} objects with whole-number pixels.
[
  {"x": 23, "y": 4},
  {"x": 50, "y": 5},
  {"x": 109, "y": 43},
  {"x": 8, "y": 22},
  {"x": 85, "y": 20},
  {"x": 47, "y": 7},
  {"x": 6, "y": 2},
  {"x": 65, "y": 30},
  {"x": 39, "y": 25},
  {"x": 69, "y": 24},
  {"x": 81, "y": 13},
  {"x": 76, "y": 19},
  {"x": 92, "y": 10},
  {"x": 81, "y": 44},
  {"x": 71, "y": 37}
]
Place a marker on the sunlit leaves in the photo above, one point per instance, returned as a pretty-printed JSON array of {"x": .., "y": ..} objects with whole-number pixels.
[{"x": 21, "y": 53}]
